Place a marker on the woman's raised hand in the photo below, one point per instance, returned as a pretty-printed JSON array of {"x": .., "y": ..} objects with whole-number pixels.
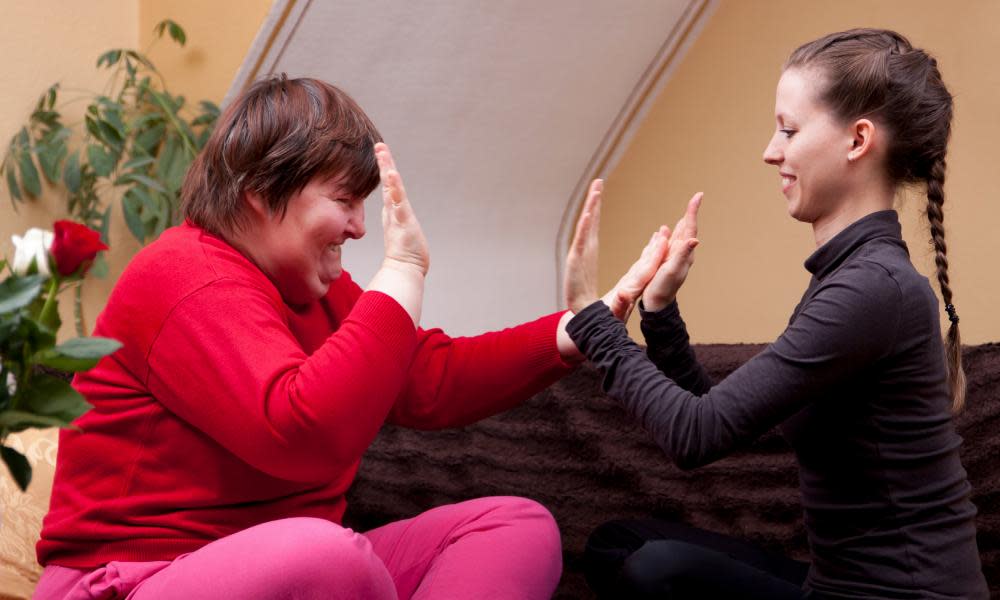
[
  {"x": 669, "y": 277},
  {"x": 622, "y": 298},
  {"x": 580, "y": 281},
  {"x": 405, "y": 245},
  {"x": 580, "y": 278},
  {"x": 406, "y": 256}
]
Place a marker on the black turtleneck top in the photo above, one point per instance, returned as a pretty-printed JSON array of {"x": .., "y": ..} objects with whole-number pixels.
[{"x": 858, "y": 383}]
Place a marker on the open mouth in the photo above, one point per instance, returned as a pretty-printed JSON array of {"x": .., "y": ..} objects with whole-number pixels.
[{"x": 786, "y": 182}]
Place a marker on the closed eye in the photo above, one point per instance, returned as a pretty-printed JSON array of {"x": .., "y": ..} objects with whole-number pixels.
[{"x": 788, "y": 132}]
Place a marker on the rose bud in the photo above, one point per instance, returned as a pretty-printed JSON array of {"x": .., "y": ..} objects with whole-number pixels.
[{"x": 74, "y": 245}]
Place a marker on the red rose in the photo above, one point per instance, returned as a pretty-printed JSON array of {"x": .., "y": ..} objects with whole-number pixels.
[{"x": 74, "y": 245}]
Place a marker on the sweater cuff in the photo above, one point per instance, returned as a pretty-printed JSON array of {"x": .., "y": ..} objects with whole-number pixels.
[
  {"x": 667, "y": 314},
  {"x": 541, "y": 347}
]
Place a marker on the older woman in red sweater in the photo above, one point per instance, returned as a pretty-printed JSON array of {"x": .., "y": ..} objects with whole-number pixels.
[{"x": 255, "y": 373}]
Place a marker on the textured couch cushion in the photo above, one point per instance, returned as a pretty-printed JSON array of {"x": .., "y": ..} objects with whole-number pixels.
[{"x": 575, "y": 451}]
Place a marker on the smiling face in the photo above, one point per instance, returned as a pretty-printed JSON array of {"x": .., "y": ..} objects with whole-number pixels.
[
  {"x": 810, "y": 147},
  {"x": 300, "y": 252}
]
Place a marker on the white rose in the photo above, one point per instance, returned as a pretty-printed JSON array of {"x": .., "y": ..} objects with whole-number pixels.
[{"x": 33, "y": 246}]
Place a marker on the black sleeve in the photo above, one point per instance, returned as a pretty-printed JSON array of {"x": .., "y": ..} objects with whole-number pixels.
[
  {"x": 845, "y": 327},
  {"x": 669, "y": 347}
]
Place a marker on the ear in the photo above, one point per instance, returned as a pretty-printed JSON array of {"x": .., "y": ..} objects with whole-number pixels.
[
  {"x": 257, "y": 205},
  {"x": 863, "y": 134}
]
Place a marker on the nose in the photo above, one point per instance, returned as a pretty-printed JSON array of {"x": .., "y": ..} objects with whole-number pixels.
[
  {"x": 356, "y": 221},
  {"x": 772, "y": 153}
]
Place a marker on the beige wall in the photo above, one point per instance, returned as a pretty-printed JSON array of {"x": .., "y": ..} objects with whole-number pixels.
[
  {"x": 219, "y": 35},
  {"x": 709, "y": 126},
  {"x": 45, "y": 42}
]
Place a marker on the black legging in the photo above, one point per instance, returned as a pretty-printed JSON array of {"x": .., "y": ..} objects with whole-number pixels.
[{"x": 651, "y": 558}]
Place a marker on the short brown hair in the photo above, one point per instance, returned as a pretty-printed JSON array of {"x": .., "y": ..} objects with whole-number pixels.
[{"x": 275, "y": 138}]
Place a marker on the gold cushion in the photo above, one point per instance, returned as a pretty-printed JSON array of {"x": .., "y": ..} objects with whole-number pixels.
[{"x": 21, "y": 513}]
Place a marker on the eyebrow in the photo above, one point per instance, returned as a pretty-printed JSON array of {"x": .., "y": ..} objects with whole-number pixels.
[{"x": 781, "y": 118}]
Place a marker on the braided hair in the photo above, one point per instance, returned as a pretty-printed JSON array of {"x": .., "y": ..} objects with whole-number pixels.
[{"x": 878, "y": 74}]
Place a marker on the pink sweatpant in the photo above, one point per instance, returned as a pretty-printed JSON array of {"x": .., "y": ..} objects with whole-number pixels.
[{"x": 488, "y": 548}]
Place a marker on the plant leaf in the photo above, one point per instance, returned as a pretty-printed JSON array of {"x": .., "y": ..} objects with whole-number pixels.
[
  {"x": 18, "y": 465},
  {"x": 104, "y": 226},
  {"x": 111, "y": 57},
  {"x": 150, "y": 139},
  {"x": 29, "y": 174},
  {"x": 110, "y": 135},
  {"x": 15, "y": 189},
  {"x": 177, "y": 33},
  {"x": 171, "y": 166},
  {"x": 18, "y": 292},
  {"x": 19, "y": 420},
  {"x": 142, "y": 179},
  {"x": 51, "y": 156},
  {"x": 77, "y": 354},
  {"x": 142, "y": 58},
  {"x": 131, "y": 207},
  {"x": 51, "y": 96},
  {"x": 99, "y": 268},
  {"x": 134, "y": 163},
  {"x": 49, "y": 396},
  {"x": 71, "y": 174},
  {"x": 101, "y": 160}
]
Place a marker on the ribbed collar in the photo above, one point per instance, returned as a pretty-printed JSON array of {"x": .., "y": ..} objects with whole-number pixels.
[{"x": 830, "y": 255}]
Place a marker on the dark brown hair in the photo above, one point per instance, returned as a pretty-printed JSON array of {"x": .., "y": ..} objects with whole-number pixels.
[
  {"x": 878, "y": 74},
  {"x": 279, "y": 135}
]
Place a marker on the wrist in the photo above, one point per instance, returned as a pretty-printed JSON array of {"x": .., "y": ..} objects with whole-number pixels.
[
  {"x": 568, "y": 350},
  {"x": 404, "y": 267},
  {"x": 656, "y": 303}
]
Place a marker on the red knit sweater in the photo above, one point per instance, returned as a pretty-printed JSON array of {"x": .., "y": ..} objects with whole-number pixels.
[{"x": 226, "y": 408}]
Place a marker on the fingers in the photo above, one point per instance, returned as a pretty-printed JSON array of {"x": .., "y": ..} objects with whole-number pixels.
[
  {"x": 593, "y": 202},
  {"x": 690, "y": 218},
  {"x": 590, "y": 217},
  {"x": 392, "y": 184},
  {"x": 582, "y": 231},
  {"x": 693, "y": 205}
]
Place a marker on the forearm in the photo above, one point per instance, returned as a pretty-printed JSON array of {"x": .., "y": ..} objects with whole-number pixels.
[
  {"x": 456, "y": 381},
  {"x": 402, "y": 282},
  {"x": 690, "y": 429},
  {"x": 668, "y": 346}
]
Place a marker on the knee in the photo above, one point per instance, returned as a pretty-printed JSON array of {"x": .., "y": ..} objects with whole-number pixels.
[
  {"x": 533, "y": 519},
  {"x": 659, "y": 566},
  {"x": 319, "y": 553},
  {"x": 530, "y": 528},
  {"x": 604, "y": 554},
  {"x": 613, "y": 540}
]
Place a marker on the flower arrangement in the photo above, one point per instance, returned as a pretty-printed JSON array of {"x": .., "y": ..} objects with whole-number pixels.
[{"x": 45, "y": 263}]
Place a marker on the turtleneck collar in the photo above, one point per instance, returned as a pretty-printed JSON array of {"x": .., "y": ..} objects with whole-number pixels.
[{"x": 829, "y": 256}]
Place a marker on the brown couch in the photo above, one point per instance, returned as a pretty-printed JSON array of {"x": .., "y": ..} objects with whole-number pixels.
[{"x": 575, "y": 451}]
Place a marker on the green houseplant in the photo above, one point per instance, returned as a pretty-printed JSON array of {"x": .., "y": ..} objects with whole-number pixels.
[{"x": 136, "y": 140}]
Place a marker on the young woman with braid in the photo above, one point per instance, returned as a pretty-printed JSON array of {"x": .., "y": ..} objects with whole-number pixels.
[{"x": 860, "y": 382}]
